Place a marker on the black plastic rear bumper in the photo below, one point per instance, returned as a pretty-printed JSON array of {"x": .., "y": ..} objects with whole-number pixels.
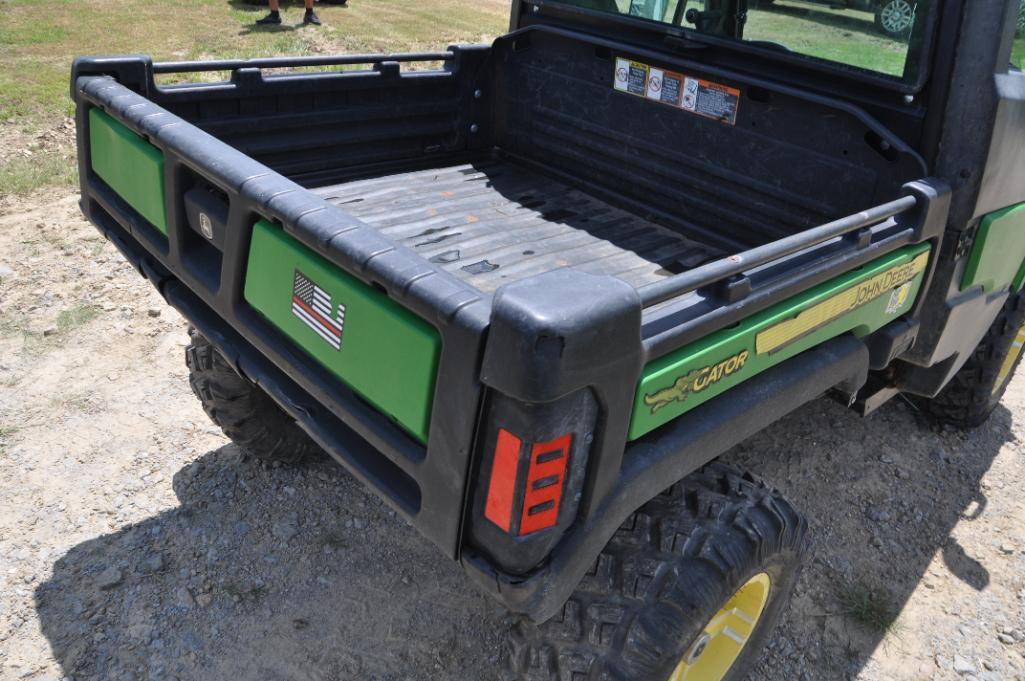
[{"x": 668, "y": 455}]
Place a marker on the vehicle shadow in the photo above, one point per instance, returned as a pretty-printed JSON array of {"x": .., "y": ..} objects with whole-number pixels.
[
  {"x": 276, "y": 573},
  {"x": 266, "y": 573},
  {"x": 883, "y": 496}
]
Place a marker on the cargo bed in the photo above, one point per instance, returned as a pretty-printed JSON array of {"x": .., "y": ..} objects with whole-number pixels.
[
  {"x": 508, "y": 241},
  {"x": 494, "y": 221}
]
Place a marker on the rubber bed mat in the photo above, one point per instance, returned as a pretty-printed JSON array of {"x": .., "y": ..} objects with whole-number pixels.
[{"x": 494, "y": 222}]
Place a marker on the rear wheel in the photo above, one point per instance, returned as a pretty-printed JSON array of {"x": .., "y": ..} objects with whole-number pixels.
[
  {"x": 243, "y": 411},
  {"x": 975, "y": 391},
  {"x": 689, "y": 589},
  {"x": 895, "y": 17}
]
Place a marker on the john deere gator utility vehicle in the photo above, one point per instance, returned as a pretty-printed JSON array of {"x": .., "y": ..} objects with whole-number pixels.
[{"x": 530, "y": 291}]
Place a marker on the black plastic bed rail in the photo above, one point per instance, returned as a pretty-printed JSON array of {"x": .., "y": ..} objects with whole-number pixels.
[
  {"x": 726, "y": 268},
  {"x": 166, "y": 67},
  {"x": 686, "y": 307}
]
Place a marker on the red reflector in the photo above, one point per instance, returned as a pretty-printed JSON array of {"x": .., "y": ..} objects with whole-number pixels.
[
  {"x": 502, "y": 487},
  {"x": 545, "y": 480}
]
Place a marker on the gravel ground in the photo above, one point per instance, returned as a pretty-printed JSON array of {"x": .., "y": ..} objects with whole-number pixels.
[{"x": 136, "y": 543}]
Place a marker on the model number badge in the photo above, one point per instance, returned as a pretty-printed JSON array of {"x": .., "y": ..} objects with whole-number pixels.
[{"x": 314, "y": 308}]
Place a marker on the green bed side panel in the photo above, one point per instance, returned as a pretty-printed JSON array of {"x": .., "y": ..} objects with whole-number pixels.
[
  {"x": 998, "y": 252},
  {"x": 861, "y": 301},
  {"x": 130, "y": 165},
  {"x": 385, "y": 353}
]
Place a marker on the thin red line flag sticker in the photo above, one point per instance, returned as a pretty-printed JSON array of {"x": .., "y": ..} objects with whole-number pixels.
[{"x": 313, "y": 306}]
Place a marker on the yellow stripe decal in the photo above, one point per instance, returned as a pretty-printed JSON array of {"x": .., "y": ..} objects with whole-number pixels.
[
  {"x": 817, "y": 316},
  {"x": 1012, "y": 355}
]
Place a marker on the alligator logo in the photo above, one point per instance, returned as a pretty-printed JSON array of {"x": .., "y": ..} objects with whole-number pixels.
[
  {"x": 696, "y": 381},
  {"x": 677, "y": 392}
]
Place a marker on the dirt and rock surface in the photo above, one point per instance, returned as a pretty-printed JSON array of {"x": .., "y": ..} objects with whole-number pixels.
[{"x": 136, "y": 543}]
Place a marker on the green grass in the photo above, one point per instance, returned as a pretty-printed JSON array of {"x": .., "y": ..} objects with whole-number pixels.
[
  {"x": 39, "y": 46},
  {"x": 11, "y": 323},
  {"x": 80, "y": 401},
  {"x": 870, "y": 608},
  {"x": 31, "y": 35},
  {"x": 22, "y": 175},
  {"x": 1018, "y": 53},
  {"x": 5, "y": 434},
  {"x": 848, "y": 37},
  {"x": 35, "y": 342},
  {"x": 334, "y": 539},
  {"x": 234, "y": 589},
  {"x": 74, "y": 317}
]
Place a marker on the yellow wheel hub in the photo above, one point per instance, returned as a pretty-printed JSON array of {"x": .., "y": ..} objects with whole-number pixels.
[{"x": 712, "y": 655}]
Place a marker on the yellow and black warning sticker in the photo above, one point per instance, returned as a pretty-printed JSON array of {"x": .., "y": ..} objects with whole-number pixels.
[
  {"x": 632, "y": 77},
  {"x": 1012, "y": 356},
  {"x": 894, "y": 282},
  {"x": 702, "y": 97}
]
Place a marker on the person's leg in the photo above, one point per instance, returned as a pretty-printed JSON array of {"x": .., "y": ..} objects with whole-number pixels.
[
  {"x": 310, "y": 16},
  {"x": 274, "y": 18}
]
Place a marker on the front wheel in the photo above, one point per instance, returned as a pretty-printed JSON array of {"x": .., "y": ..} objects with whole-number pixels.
[
  {"x": 895, "y": 17},
  {"x": 689, "y": 589}
]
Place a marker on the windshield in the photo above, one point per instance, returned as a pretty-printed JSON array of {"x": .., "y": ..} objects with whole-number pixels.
[{"x": 871, "y": 35}]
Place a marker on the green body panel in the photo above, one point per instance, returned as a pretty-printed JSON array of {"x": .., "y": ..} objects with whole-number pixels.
[
  {"x": 861, "y": 301},
  {"x": 129, "y": 165},
  {"x": 1019, "y": 278},
  {"x": 387, "y": 354},
  {"x": 998, "y": 252}
]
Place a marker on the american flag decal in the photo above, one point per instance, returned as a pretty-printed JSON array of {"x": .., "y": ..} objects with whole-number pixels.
[{"x": 313, "y": 306}]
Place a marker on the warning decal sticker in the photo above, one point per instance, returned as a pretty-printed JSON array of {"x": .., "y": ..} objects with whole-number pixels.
[
  {"x": 702, "y": 97},
  {"x": 631, "y": 76}
]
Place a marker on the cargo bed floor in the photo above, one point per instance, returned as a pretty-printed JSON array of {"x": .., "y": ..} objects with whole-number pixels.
[{"x": 494, "y": 222}]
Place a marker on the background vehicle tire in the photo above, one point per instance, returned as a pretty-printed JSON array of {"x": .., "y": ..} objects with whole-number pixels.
[
  {"x": 974, "y": 392},
  {"x": 895, "y": 17},
  {"x": 243, "y": 411},
  {"x": 664, "y": 587}
]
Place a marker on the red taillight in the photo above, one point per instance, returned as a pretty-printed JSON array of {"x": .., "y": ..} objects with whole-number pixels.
[
  {"x": 545, "y": 479},
  {"x": 502, "y": 488}
]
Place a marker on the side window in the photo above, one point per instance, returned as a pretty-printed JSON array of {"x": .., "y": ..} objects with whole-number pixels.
[{"x": 1018, "y": 54}]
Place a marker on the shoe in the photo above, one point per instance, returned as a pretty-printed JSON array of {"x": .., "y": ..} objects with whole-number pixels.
[
  {"x": 311, "y": 18},
  {"x": 272, "y": 19}
]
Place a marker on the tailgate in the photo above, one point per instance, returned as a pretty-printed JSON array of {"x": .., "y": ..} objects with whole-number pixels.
[
  {"x": 352, "y": 336},
  {"x": 385, "y": 353}
]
